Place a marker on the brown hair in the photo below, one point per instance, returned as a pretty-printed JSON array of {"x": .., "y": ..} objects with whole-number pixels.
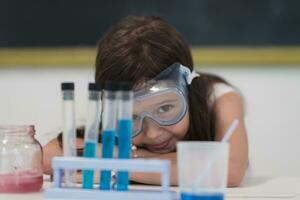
[{"x": 138, "y": 48}]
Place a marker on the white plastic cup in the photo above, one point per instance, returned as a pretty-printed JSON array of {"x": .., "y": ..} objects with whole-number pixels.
[{"x": 202, "y": 169}]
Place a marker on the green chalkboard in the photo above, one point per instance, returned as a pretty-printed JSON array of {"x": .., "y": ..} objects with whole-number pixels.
[{"x": 202, "y": 22}]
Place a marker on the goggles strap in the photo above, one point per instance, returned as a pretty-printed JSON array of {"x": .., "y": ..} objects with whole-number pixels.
[
  {"x": 188, "y": 74},
  {"x": 191, "y": 76}
]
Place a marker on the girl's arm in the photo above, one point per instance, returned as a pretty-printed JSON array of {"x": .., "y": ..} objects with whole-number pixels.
[
  {"x": 50, "y": 150},
  {"x": 154, "y": 178},
  {"x": 53, "y": 149},
  {"x": 227, "y": 108}
]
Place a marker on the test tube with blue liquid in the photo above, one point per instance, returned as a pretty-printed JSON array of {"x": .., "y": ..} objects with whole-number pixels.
[
  {"x": 125, "y": 109},
  {"x": 109, "y": 122},
  {"x": 69, "y": 129},
  {"x": 91, "y": 131}
]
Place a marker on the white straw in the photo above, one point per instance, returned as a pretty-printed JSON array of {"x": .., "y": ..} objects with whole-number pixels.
[
  {"x": 230, "y": 131},
  {"x": 226, "y": 137}
]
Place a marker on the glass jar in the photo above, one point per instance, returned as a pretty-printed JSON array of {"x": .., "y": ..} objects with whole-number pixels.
[{"x": 21, "y": 160}]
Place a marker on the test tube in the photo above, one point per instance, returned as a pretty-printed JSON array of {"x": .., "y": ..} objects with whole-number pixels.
[
  {"x": 91, "y": 131},
  {"x": 109, "y": 118},
  {"x": 125, "y": 106},
  {"x": 69, "y": 129}
]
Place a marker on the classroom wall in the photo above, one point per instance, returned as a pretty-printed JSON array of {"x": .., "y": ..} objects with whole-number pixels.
[{"x": 272, "y": 101}]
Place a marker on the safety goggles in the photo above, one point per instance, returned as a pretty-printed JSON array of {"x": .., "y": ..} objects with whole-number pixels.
[{"x": 162, "y": 99}]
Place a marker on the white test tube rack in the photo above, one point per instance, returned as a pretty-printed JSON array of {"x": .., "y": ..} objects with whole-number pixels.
[{"x": 57, "y": 191}]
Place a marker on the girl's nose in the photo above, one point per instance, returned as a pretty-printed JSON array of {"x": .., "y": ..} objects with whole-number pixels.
[{"x": 151, "y": 129}]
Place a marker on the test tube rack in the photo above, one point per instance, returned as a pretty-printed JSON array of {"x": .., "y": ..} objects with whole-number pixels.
[{"x": 59, "y": 164}]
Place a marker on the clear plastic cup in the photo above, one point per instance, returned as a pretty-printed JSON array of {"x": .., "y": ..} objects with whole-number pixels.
[{"x": 202, "y": 170}]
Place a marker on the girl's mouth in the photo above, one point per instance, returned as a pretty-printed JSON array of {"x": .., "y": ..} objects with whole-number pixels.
[{"x": 160, "y": 146}]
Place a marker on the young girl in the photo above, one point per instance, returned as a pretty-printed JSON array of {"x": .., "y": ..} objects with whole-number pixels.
[{"x": 151, "y": 53}]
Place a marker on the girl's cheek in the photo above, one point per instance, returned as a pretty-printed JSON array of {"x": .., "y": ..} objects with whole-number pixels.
[{"x": 137, "y": 140}]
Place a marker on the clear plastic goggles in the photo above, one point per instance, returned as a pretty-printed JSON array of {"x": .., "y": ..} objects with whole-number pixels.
[{"x": 162, "y": 99}]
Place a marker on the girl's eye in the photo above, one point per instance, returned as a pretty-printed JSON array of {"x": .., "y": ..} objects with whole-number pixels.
[{"x": 165, "y": 108}]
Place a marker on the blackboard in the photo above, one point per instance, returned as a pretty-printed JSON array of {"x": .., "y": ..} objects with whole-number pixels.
[{"x": 202, "y": 22}]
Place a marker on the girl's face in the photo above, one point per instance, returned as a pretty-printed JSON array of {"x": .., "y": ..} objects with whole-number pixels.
[{"x": 161, "y": 139}]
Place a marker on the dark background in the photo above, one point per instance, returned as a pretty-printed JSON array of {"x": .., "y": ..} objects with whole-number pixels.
[{"x": 202, "y": 22}]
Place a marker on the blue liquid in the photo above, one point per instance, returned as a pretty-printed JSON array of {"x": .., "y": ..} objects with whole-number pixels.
[
  {"x": 88, "y": 175},
  {"x": 192, "y": 196},
  {"x": 124, "y": 139},
  {"x": 108, "y": 141}
]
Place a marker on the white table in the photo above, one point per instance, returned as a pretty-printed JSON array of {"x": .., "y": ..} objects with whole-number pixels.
[{"x": 257, "y": 188}]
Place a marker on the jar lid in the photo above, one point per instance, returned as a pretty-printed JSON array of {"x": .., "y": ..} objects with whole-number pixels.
[{"x": 17, "y": 129}]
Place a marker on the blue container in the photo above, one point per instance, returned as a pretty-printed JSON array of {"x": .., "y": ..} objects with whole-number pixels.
[
  {"x": 204, "y": 196},
  {"x": 88, "y": 175},
  {"x": 108, "y": 141},
  {"x": 124, "y": 141}
]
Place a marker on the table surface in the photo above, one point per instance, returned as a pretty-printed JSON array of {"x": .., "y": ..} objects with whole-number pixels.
[{"x": 255, "y": 188}]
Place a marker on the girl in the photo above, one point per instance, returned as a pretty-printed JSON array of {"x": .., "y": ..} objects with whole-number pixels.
[{"x": 151, "y": 53}]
